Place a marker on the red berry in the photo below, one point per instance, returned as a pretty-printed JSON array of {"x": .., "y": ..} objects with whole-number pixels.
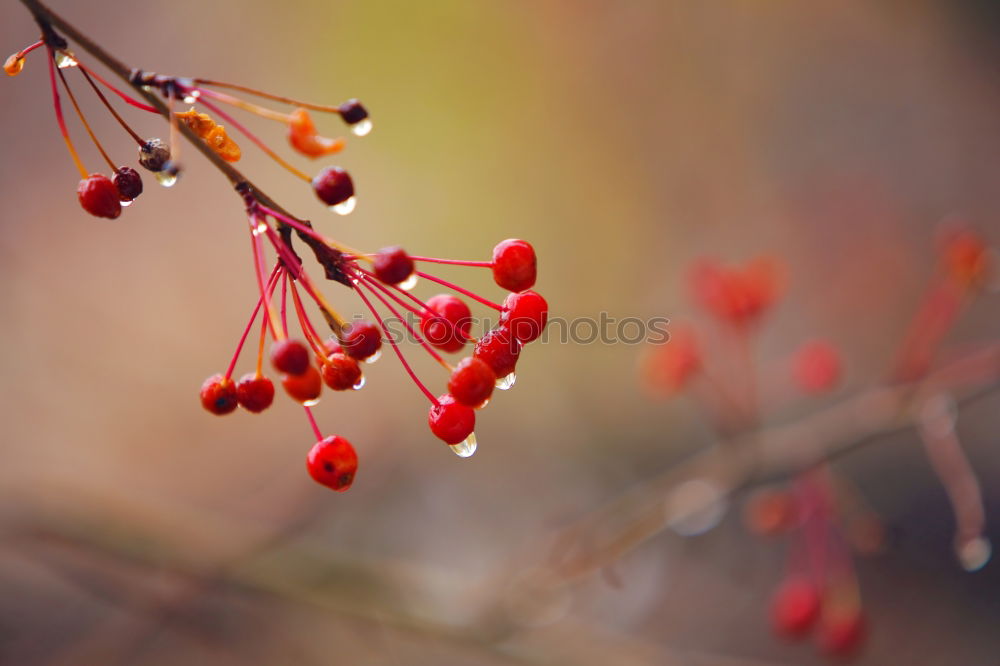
[
  {"x": 817, "y": 366},
  {"x": 514, "y": 265},
  {"x": 218, "y": 395},
  {"x": 305, "y": 387},
  {"x": 341, "y": 372},
  {"x": 449, "y": 329},
  {"x": 361, "y": 339},
  {"x": 255, "y": 393},
  {"x": 128, "y": 182},
  {"x": 333, "y": 462},
  {"x": 451, "y": 421},
  {"x": 842, "y": 634},
  {"x": 332, "y": 346},
  {"x": 392, "y": 265},
  {"x": 525, "y": 315},
  {"x": 333, "y": 186},
  {"x": 472, "y": 382},
  {"x": 290, "y": 356},
  {"x": 99, "y": 196},
  {"x": 499, "y": 349},
  {"x": 795, "y": 607}
]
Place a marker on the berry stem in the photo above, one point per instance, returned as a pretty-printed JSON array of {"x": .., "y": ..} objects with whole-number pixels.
[
  {"x": 260, "y": 347},
  {"x": 423, "y": 306},
  {"x": 258, "y": 252},
  {"x": 395, "y": 348},
  {"x": 121, "y": 121},
  {"x": 253, "y": 138},
  {"x": 333, "y": 318},
  {"x": 83, "y": 119},
  {"x": 266, "y": 95},
  {"x": 59, "y": 115},
  {"x": 307, "y": 328},
  {"x": 368, "y": 282},
  {"x": 456, "y": 262},
  {"x": 309, "y": 231},
  {"x": 312, "y": 422},
  {"x": 460, "y": 290},
  {"x": 246, "y": 331},
  {"x": 128, "y": 99},
  {"x": 284, "y": 303},
  {"x": 261, "y": 111}
]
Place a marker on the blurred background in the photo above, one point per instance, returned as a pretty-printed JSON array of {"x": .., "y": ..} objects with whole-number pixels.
[{"x": 624, "y": 140}]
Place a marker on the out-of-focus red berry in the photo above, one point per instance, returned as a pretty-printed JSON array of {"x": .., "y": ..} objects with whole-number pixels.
[
  {"x": 341, "y": 372},
  {"x": 769, "y": 512},
  {"x": 451, "y": 421},
  {"x": 392, "y": 265},
  {"x": 670, "y": 366},
  {"x": 218, "y": 395},
  {"x": 361, "y": 339},
  {"x": 333, "y": 463},
  {"x": 525, "y": 314},
  {"x": 333, "y": 186},
  {"x": 99, "y": 196},
  {"x": 254, "y": 393},
  {"x": 472, "y": 382},
  {"x": 816, "y": 367},
  {"x": 841, "y": 633},
  {"x": 290, "y": 356},
  {"x": 305, "y": 387},
  {"x": 449, "y": 329},
  {"x": 499, "y": 350},
  {"x": 795, "y": 607},
  {"x": 966, "y": 258},
  {"x": 738, "y": 295},
  {"x": 514, "y": 265}
]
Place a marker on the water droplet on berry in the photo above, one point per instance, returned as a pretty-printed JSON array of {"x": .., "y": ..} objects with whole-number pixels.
[
  {"x": 126, "y": 204},
  {"x": 466, "y": 447},
  {"x": 192, "y": 97},
  {"x": 166, "y": 178},
  {"x": 505, "y": 383},
  {"x": 261, "y": 228},
  {"x": 974, "y": 553},
  {"x": 409, "y": 283},
  {"x": 374, "y": 357},
  {"x": 64, "y": 60},
  {"x": 362, "y": 128},
  {"x": 360, "y": 385},
  {"x": 345, "y": 207},
  {"x": 695, "y": 507},
  {"x": 311, "y": 403}
]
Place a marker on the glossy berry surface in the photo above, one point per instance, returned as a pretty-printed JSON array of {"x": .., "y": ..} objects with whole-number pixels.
[
  {"x": 305, "y": 387},
  {"x": 451, "y": 421},
  {"x": 99, "y": 196},
  {"x": 842, "y": 634},
  {"x": 254, "y": 393},
  {"x": 341, "y": 372},
  {"x": 514, "y": 265},
  {"x": 472, "y": 382},
  {"x": 128, "y": 182},
  {"x": 333, "y": 186},
  {"x": 392, "y": 265},
  {"x": 361, "y": 339},
  {"x": 525, "y": 315},
  {"x": 218, "y": 395},
  {"x": 499, "y": 349},
  {"x": 795, "y": 607},
  {"x": 352, "y": 112},
  {"x": 333, "y": 463},
  {"x": 449, "y": 329},
  {"x": 290, "y": 356}
]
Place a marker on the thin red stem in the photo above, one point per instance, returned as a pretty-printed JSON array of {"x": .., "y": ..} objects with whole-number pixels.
[
  {"x": 125, "y": 96},
  {"x": 121, "y": 121},
  {"x": 312, "y": 422},
  {"x": 307, "y": 328},
  {"x": 423, "y": 306},
  {"x": 258, "y": 252},
  {"x": 460, "y": 290},
  {"x": 83, "y": 119},
  {"x": 385, "y": 290},
  {"x": 267, "y": 95},
  {"x": 456, "y": 262},
  {"x": 284, "y": 303},
  {"x": 28, "y": 49},
  {"x": 59, "y": 116},
  {"x": 367, "y": 282},
  {"x": 253, "y": 317}
]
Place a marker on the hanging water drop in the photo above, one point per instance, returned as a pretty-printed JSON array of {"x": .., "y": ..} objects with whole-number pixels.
[
  {"x": 191, "y": 97},
  {"x": 974, "y": 553},
  {"x": 506, "y": 382},
  {"x": 360, "y": 385},
  {"x": 261, "y": 228},
  {"x": 345, "y": 207},
  {"x": 64, "y": 59},
  {"x": 362, "y": 128},
  {"x": 126, "y": 204},
  {"x": 374, "y": 357},
  {"x": 311, "y": 403},
  {"x": 409, "y": 283},
  {"x": 465, "y": 448},
  {"x": 166, "y": 178}
]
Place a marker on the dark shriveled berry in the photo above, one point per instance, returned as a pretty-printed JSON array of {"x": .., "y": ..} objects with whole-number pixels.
[
  {"x": 525, "y": 315},
  {"x": 154, "y": 155},
  {"x": 99, "y": 196},
  {"x": 499, "y": 349},
  {"x": 290, "y": 356},
  {"x": 472, "y": 382},
  {"x": 333, "y": 186},
  {"x": 254, "y": 393},
  {"x": 218, "y": 395},
  {"x": 514, "y": 265},
  {"x": 333, "y": 463},
  {"x": 341, "y": 372},
  {"x": 392, "y": 265},
  {"x": 128, "y": 183},
  {"x": 361, "y": 339},
  {"x": 451, "y": 421},
  {"x": 352, "y": 112},
  {"x": 303, "y": 388}
]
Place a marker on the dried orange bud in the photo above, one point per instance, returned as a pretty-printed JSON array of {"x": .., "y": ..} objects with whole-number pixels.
[
  {"x": 769, "y": 512},
  {"x": 14, "y": 64},
  {"x": 303, "y": 137},
  {"x": 214, "y": 135}
]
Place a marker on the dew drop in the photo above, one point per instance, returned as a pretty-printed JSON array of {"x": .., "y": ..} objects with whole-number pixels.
[
  {"x": 374, "y": 357},
  {"x": 695, "y": 507},
  {"x": 261, "y": 228},
  {"x": 192, "y": 97},
  {"x": 126, "y": 204},
  {"x": 362, "y": 128},
  {"x": 311, "y": 403},
  {"x": 360, "y": 384},
  {"x": 465, "y": 448},
  {"x": 166, "y": 178},
  {"x": 64, "y": 60},
  {"x": 409, "y": 283},
  {"x": 505, "y": 383},
  {"x": 974, "y": 553},
  {"x": 345, "y": 207}
]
